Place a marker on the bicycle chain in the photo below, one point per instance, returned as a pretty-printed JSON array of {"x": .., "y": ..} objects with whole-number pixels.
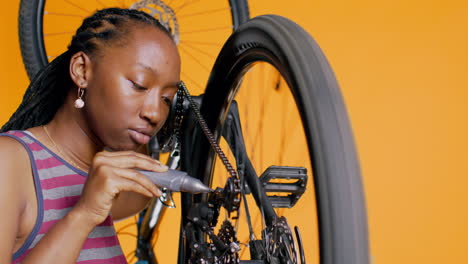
[
  {"x": 280, "y": 247},
  {"x": 211, "y": 139},
  {"x": 179, "y": 114},
  {"x": 231, "y": 193}
]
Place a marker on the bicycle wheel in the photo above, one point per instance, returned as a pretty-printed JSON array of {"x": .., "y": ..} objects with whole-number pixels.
[
  {"x": 305, "y": 125},
  {"x": 46, "y": 27}
]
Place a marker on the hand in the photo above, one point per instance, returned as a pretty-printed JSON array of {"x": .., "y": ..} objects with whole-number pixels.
[{"x": 112, "y": 173}]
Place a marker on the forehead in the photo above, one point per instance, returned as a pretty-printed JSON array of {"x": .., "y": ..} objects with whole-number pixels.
[{"x": 144, "y": 45}]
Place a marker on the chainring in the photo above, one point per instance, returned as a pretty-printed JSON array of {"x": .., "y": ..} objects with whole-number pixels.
[{"x": 227, "y": 234}]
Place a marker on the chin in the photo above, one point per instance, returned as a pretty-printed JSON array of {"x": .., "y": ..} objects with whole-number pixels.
[{"x": 124, "y": 147}]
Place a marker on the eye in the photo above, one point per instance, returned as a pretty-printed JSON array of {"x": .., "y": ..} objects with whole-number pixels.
[
  {"x": 167, "y": 100},
  {"x": 138, "y": 87}
]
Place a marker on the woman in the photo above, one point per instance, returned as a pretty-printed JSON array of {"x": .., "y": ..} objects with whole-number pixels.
[{"x": 111, "y": 89}]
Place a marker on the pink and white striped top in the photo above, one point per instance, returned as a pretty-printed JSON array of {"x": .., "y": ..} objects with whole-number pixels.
[{"x": 58, "y": 187}]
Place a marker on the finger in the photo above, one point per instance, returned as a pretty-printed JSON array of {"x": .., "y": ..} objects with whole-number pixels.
[
  {"x": 129, "y": 153},
  {"x": 126, "y": 185},
  {"x": 138, "y": 178},
  {"x": 131, "y": 160},
  {"x": 122, "y": 153}
]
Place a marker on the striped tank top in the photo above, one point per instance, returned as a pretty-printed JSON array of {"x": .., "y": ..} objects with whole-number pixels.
[{"x": 58, "y": 188}]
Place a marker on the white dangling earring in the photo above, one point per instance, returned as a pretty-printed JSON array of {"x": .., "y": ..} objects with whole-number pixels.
[{"x": 79, "y": 103}]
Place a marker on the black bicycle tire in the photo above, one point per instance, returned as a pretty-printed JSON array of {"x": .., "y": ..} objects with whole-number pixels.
[
  {"x": 30, "y": 22},
  {"x": 342, "y": 219},
  {"x": 31, "y": 36}
]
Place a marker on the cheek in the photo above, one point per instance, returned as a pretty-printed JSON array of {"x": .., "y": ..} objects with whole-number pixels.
[
  {"x": 123, "y": 96},
  {"x": 112, "y": 102}
]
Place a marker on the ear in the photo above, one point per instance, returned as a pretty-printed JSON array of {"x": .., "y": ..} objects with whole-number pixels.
[{"x": 80, "y": 69}]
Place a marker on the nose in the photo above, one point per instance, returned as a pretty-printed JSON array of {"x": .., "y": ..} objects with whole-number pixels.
[{"x": 154, "y": 110}]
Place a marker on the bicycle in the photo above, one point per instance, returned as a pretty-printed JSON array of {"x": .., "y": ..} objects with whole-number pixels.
[
  {"x": 285, "y": 55},
  {"x": 45, "y": 28}
]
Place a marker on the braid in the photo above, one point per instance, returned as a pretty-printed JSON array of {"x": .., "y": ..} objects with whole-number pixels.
[
  {"x": 39, "y": 101},
  {"x": 49, "y": 88}
]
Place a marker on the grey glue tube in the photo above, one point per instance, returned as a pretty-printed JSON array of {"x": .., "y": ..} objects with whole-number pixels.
[{"x": 177, "y": 181}]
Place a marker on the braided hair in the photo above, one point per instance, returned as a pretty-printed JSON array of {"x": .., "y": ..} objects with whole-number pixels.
[{"x": 49, "y": 88}]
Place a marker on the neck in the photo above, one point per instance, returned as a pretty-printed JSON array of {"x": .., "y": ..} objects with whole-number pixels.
[{"x": 72, "y": 135}]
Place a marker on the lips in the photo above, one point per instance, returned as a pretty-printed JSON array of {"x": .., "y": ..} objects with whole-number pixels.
[{"x": 139, "y": 136}]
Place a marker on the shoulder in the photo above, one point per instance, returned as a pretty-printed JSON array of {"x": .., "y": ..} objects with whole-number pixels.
[
  {"x": 14, "y": 160},
  {"x": 15, "y": 173},
  {"x": 12, "y": 149},
  {"x": 15, "y": 169}
]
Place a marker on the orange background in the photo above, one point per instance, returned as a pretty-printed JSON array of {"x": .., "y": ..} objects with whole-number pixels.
[{"x": 402, "y": 68}]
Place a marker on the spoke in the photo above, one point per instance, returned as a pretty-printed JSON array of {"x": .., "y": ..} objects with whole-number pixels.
[
  {"x": 241, "y": 256},
  {"x": 178, "y": 9},
  {"x": 262, "y": 113},
  {"x": 247, "y": 213},
  {"x": 132, "y": 259},
  {"x": 200, "y": 43},
  {"x": 278, "y": 81},
  {"x": 99, "y": 2},
  {"x": 288, "y": 126},
  {"x": 57, "y": 33},
  {"x": 155, "y": 240},
  {"x": 77, "y": 6},
  {"x": 265, "y": 99},
  {"x": 124, "y": 227},
  {"x": 283, "y": 131},
  {"x": 195, "y": 59},
  {"x": 62, "y": 14},
  {"x": 131, "y": 254},
  {"x": 193, "y": 81},
  {"x": 245, "y": 126},
  {"x": 207, "y": 30},
  {"x": 127, "y": 234},
  {"x": 205, "y": 12},
  {"x": 200, "y": 51},
  {"x": 170, "y": 3}
]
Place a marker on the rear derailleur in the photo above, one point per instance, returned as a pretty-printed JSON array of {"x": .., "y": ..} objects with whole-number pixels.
[
  {"x": 277, "y": 245},
  {"x": 222, "y": 247}
]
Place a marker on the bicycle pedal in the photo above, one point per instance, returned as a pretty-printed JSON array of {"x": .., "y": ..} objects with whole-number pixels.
[{"x": 284, "y": 185}]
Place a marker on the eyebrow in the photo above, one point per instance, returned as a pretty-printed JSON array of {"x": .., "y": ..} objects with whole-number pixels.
[
  {"x": 174, "y": 84},
  {"x": 147, "y": 67}
]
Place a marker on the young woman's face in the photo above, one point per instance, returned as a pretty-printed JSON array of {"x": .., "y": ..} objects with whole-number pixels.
[{"x": 129, "y": 94}]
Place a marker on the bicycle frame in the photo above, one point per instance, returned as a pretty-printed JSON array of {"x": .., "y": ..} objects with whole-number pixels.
[{"x": 232, "y": 132}]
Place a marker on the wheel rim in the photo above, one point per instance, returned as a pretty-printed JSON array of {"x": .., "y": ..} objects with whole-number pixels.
[
  {"x": 339, "y": 196},
  {"x": 261, "y": 84},
  {"x": 199, "y": 38}
]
